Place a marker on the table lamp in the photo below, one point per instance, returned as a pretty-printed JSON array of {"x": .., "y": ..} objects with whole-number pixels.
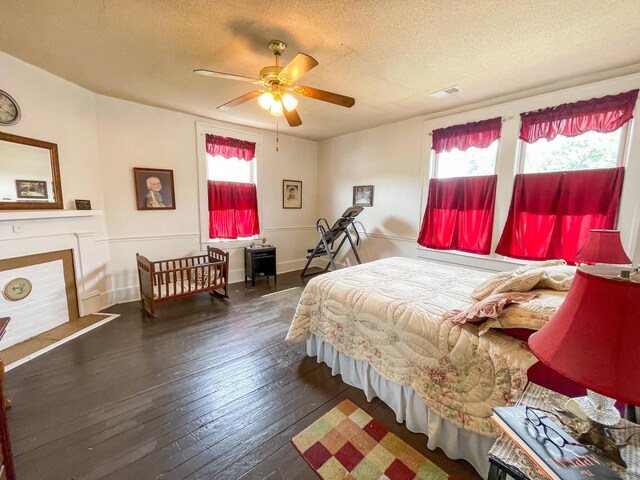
[
  {"x": 603, "y": 246},
  {"x": 593, "y": 340}
]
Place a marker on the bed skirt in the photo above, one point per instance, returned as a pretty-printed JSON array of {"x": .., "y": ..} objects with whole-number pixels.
[{"x": 407, "y": 405}]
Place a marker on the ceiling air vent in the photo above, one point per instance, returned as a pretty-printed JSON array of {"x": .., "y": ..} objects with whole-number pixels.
[{"x": 446, "y": 92}]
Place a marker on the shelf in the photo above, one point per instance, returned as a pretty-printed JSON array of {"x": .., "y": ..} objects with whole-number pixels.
[{"x": 12, "y": 215}]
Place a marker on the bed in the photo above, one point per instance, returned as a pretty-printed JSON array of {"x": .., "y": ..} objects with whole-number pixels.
[{"x": 381, "y": 326}]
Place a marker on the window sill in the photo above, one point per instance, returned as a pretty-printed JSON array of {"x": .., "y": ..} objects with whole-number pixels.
[
  {"x": 465, "y": 259},
  {"x": 229, "y": 244}
]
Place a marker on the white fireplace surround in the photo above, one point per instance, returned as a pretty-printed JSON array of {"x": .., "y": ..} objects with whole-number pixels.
[{"x": 24, "y": 233}]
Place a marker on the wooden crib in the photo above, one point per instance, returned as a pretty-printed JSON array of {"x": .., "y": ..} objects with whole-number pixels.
[{"x": 166, "y": 280}]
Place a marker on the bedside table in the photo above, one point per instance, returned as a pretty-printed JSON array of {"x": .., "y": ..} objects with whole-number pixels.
[
  {"x": 509, "y": 462},
  {"x": 259, "y": 260}
]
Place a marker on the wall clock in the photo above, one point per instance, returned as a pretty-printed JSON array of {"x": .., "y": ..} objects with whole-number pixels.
[
  {"x": 17, "y": 289},
  {"x": 9, "y": 109}
]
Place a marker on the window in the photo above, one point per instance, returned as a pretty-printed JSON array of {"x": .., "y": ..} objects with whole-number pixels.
[
  {"x": 231, "y": 169},
  {"x": 466, "y": 150},
  {"x": 228, "y": 171},
  {"x": 589, "y": 150},
  {"x": 466, "y": 163},
  {"x": 573, "y": 177},
  {"x": 460, "y": 206}
]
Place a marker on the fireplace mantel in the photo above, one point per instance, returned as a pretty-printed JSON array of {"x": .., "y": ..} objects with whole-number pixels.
[{"x": 12, "y": 215}]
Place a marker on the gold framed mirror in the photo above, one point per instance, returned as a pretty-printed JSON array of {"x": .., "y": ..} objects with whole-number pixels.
[{"x": 29, "y": 174}]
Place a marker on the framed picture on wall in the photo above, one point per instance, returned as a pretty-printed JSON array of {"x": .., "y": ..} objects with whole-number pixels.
[
  {"x": 154, "y": 189},
  {"x": 363, "y": 196},
  {"x": 292, "y": 194},
  {"x": 32, "y": 189}
]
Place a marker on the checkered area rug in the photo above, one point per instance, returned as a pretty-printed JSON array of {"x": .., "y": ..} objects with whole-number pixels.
[{"x": 346, "y": 443}]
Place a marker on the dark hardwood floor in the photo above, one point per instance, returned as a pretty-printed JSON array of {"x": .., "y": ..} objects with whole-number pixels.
[{"x": 209, "y": 389}]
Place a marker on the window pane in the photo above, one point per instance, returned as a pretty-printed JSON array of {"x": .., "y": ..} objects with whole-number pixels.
[
  {"x": 583, "y": 152},
  {"x": 229, "y": 169},
  {"x": 469, "y": 163}
]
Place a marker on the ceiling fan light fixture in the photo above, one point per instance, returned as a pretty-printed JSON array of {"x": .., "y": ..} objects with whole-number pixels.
[
  {"x": 289, "y": 101},
  {"x": 276, "y": 108},
  {"x": 266, "y": 100}
]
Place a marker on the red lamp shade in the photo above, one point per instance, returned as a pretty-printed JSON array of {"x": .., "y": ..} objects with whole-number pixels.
[
  {"x": 603, "y": 246},
  {"x": 593, "y": 338}
]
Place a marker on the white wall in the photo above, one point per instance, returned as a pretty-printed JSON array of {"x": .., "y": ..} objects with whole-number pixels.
[
  {"x": 60, "y": 112},
  {"x": 134, "y": 135},
  {"x": 387, "y": 157},
  {"x": 396, "y": 159},
  {"x": 100, "y": 140}
]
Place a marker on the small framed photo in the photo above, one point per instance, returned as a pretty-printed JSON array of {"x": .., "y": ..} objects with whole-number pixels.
[
  {"x": 83, "y": 204},
  {"x": 154, "y": 189},
  {"x": 32, "y": 189},
  {"x": 363, "y": 196},
  {"x": 291, "y": 194}
]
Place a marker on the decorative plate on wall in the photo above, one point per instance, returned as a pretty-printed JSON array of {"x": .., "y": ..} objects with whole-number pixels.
[{"x": 17, "y": 289}]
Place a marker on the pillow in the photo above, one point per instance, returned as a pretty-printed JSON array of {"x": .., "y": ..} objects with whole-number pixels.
[
  {"x": 532, "y": 314},
  {"x": 490, "y": 307},
  {"x": 558, "y": 277},
  {"x": 554, "y": 274}
]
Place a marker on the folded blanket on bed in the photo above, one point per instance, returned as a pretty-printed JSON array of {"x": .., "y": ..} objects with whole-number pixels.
[
  {"x": 551, "y": 274},
  {"x": 391, "y": 314}
]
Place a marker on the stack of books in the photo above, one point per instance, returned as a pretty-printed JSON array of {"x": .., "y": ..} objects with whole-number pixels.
[{"x": 568, "y": 462}]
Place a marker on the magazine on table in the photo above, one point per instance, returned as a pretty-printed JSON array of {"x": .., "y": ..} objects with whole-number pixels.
[{"x": 554, "y": 451}]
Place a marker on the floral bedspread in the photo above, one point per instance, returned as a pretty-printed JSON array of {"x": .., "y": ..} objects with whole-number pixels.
[{"x": 390, "y": 313}]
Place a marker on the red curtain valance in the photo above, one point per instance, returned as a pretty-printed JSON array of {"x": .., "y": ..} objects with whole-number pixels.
[
  {"x": 233, "y": 210},
  {"x": 604, "y": 114},
  {"x": 459, "y": 214},
  {"x": 475, "y": 134},
  {"x": 230, "y": 147},
  {"x": 551, "y": 214}
]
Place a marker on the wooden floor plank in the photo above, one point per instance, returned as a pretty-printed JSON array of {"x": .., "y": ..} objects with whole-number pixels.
[{"x": 209, "y": 389}]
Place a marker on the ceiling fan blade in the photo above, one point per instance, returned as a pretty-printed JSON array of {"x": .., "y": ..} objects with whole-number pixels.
[
  {"x": 297, "y": 67},
  {"x": 241, "y": 99},
  {"x": 228, "y": 76},
  {"x": 292, "y": 117},
  {"x": 325, "y": 96}
]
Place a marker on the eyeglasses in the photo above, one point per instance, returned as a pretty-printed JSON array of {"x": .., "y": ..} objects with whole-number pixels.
[{"x": 548, "y": 431}]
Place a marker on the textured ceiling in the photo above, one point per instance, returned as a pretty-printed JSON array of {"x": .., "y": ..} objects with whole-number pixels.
[{"x": 387, "y": 54}]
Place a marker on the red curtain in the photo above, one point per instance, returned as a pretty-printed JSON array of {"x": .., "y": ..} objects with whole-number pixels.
[
  {"x": 551, "y": 214},
  {"x": 475, "y": 134},
  {"x": 233, "y": 210},
  {"x": 604, "y": 114},
  {"x": 459, "y": 214},
  {"x": 230, "y": 147}
]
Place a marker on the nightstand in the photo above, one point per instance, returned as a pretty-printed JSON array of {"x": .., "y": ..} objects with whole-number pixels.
[
  {"x": 509, "y": 462},
  {"x": 259, "y": 261}
]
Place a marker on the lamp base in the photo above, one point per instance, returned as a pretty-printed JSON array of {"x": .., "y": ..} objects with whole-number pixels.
[
  {"x": 598, "y": 437},
  {"x": 601, "y": 412},
  {"x": 599, "y": 408}
]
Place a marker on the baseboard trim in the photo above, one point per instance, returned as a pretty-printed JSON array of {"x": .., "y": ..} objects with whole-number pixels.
[{"x": 132, "y": 292}]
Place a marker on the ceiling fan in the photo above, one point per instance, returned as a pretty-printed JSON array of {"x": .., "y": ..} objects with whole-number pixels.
[{"x": 278, "y": 85}]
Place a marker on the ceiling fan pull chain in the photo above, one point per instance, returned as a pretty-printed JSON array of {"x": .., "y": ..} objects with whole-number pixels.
[{"x": 277, "y": 134}]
